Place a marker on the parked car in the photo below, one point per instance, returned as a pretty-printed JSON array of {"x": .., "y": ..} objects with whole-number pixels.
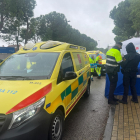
[{"x": 39, "y": 86}]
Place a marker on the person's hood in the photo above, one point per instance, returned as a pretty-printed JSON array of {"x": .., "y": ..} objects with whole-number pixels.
[
  {"x": 130, "y": 48},
  {"x": 131, "y": 51}
]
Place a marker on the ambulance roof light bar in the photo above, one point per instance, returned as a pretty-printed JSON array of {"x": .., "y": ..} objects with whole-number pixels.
[
  {"x": 50, "y": 44},
  {"x": 28, "y": 46}
]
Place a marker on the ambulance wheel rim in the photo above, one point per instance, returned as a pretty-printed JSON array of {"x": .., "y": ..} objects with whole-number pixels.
[{"x": 57, "y": 128}]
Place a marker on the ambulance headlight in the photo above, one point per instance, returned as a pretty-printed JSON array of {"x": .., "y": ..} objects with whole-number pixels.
[{"x": 25, "y": 114}]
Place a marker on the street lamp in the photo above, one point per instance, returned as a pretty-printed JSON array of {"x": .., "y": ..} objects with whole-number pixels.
[{"x": 98, "y": 43}]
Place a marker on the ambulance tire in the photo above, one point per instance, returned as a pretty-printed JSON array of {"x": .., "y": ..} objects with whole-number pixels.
[
  {"x": 87, "y": 93},
  {"x": 56, "y": 126}
]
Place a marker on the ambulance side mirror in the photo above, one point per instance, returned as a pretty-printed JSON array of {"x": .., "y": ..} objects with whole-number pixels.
[
  {"x": 1, "y": 60},
  {"x": 70, "y": 75}
]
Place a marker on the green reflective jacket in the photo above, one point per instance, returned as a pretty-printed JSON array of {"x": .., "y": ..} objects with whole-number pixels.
[{"x": 92, "y": 61}]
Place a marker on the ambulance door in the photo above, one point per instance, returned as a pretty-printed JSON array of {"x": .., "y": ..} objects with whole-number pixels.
[
  {"x": 64, "y": 86},
  {"x": 78, "y": 86}
]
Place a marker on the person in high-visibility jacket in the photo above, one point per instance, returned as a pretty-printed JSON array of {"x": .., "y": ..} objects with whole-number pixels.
[
  {"x": 92, "y": 65},
  {"x": 113, "y": 62},
  {"x": 98, "y": 64}
]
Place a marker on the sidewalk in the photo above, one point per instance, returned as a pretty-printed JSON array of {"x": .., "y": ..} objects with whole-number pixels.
[{"x": 126, "y": 124}]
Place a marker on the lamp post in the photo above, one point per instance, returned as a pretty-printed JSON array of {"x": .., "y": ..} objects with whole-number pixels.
[{"x": 98, "y": 41}]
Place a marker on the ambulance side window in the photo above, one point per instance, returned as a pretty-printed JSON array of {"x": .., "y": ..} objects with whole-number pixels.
[
  {"x": 79, "y": 61},
  {"x": 66, "y": 66}
]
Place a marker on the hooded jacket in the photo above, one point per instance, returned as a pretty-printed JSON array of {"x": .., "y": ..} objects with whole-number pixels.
[{"x": 131, "y": 59}]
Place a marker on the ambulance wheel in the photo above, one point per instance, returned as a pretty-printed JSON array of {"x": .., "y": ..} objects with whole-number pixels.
[
  {"x": 56, "y": 126},
  {"x": 87, "y": 93}
]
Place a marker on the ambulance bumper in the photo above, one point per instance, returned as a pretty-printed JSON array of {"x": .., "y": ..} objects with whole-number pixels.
[{"x": 35, "y": 128}]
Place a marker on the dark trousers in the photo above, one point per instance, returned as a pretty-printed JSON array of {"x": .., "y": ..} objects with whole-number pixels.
[
  {"x": 91, "y": 73},
  {"x": 113, "y": 78},
  {"x": 129, "y": 78}
]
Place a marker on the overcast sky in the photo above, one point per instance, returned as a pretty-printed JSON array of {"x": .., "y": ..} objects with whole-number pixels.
[{"x": 90, "y": 17}]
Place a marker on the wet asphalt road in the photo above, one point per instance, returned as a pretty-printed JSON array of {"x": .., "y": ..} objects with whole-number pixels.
[{"x": 88, "y": 119}]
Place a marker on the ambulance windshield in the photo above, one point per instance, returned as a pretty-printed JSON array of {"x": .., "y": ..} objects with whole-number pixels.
[{"x": 29, "y": 66}]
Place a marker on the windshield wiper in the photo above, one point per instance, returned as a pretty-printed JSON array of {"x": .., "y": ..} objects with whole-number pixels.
[{"x": 14, "y": 77}]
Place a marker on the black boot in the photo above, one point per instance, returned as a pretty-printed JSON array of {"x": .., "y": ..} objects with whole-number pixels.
[
  {"x": 134, "y": 101},
  {"x": 123, "y": 102},
  {"x": 115, "y": 99},
  {"x": 112, "y": 102}
]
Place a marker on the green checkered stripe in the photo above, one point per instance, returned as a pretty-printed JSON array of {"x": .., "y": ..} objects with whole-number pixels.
[{"x": 74, "y": 92}]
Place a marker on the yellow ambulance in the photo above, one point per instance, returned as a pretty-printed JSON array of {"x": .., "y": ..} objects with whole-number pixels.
[
  {"x": 39, "y": 86},
  {"x": 103, "y": 59}
]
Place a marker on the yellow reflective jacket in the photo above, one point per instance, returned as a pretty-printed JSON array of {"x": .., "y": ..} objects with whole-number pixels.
[{"x": 113, "y": 60}]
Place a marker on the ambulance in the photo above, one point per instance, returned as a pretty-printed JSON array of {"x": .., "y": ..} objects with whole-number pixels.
[
  {"x": 39, "y": 86},
  {"x": 103, "y": 59}
]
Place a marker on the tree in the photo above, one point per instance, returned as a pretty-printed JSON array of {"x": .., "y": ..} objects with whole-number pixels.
[
  {"x": 92, "y": 46},
  {"x": 33, "y": 31},
  {"x": 121, "y": 35},
  {"x": 4, "y": 12},
  {"x": 135, "y": 15},
  {"x": 120, "y": 38},
  {"x": 54, "y": 26},
  {"x": 123, "y": 23},
  {"x": 20, "y": 15},
  {"x": 12, "y": 32},
  {"x": 24, "y": 13},
  {"x": 27, "y": 7}
]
